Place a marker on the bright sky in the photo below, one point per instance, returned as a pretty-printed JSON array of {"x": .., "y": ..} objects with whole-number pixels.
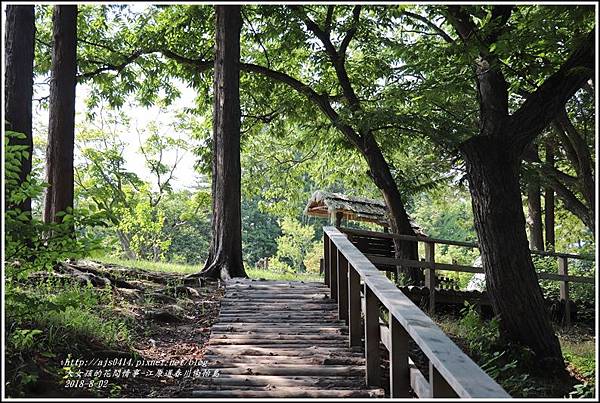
[{"x": 140, "y": 117}]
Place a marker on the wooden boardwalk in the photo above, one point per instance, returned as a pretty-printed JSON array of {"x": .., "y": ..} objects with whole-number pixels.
[{"x": 282, "y": 339}]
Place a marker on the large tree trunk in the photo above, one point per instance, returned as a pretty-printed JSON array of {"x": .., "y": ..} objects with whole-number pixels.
[
  {"x": 549, "y": 202},
  {"x": 225, "y": 255},
  {"x": 493, "y": 174},
  {"x": 61, "y": 127},
  {"x": 19, "y": 50},
  {"x": 534, "y": 207},
  {"x": 379, "y": 171}
]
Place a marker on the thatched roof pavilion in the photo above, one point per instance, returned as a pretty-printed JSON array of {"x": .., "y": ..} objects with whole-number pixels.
[{"x": 337, "y": 206}]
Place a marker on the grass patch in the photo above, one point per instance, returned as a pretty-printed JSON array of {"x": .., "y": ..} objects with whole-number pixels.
[
  {"x": 48, "y": 320},
  {"x": 579, "y": 350},
  {"x": 273, "y": 275},
  {"x": 149, "y": 265},
  {"x": 513, "y": 366},
  {"x": 252, "y": 272}
]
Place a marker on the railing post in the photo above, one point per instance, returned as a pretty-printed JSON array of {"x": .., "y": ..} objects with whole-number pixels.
[
  {"x": 399, "y": 369},
  {"x": 354, "y": 307},
  {"x": 342, "y": 265},
  {"x": 430, "y": 274},
  {"x": 437, "y": 383},
  {"x": 372, "y": 357},
  {"x": 333, "y": 275},
  {"x": 563, "y": 269},
  {"x": 326, "y": 258}
]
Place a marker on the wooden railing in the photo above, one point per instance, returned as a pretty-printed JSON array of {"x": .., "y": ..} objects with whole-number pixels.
[
  {"x": 430, "y": 265},
  {"x": 451, "y": 372}
]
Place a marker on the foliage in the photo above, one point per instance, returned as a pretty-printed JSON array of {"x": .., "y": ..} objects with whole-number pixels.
[
  {"x": 293, "y": 245},
  {"x": 577, "y": 291},
  {"x": 31, "y": 244},
  {"x": 259, "y": 232},
  {"x": 504, "y": 362},
  {"x": 48, "y": 319}
]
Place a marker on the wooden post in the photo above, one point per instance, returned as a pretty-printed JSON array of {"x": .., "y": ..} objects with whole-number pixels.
[
  {"x": 333, "y": 275},
  {"x": 326, "y": 257},
  {"x": 439, "y": 386},
  {"x": 372, "y": 337},
  {"x": 563, "y": 269},
  {"x": 335, "y": 218},
  {"x": 430, "y": 274},
  {"x": 354, "y": 307},
  {"x": 399, "y": 369},
  {"x": 342, "y": 265}
]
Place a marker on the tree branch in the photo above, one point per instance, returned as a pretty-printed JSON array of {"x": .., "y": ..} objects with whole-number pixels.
[
  {"x": 350, "y": 33},
  {"x": 439, "y": 31},
  {"x": 545, "y": 103},
  {"x": 329, "y": 18}
]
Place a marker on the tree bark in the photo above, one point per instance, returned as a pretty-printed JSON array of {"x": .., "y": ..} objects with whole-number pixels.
[
  {"x": 379, "y": 171},
  {"x": 61, "y": 127},
  {"x": 225, "y": 255},
  {"x": 534, "y": 207},
  {"x": 493, "y": 174},
  {"x": 19, "y": 50},
  {"x": 549, "y": 202},
  {"x": 493, "y": 159}
]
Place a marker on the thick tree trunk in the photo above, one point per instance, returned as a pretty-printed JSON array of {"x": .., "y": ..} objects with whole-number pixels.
[
  {"x": 225, "y": 255},
  {"x": 549, "y": 203},
  {"x": 19, "y": 49},
  {"x": 493, "y": 174},
  {"x": 399, "y": 220},
  {"x": 61, "y": 127},
  {"x": 534, "y": 207}
]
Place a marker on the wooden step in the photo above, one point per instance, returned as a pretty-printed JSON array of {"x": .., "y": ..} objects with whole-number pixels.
[
  {"x": 283, "y": 359},
  {"x": 288, "y": 392}
]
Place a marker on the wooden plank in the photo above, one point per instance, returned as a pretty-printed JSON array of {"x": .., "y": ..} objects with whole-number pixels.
[
  {"x": 372, "y": 338},
  {"x": 332, "y": 315},
  {"x": 438, "y": 385},
  {"x": 466, "y": 378},
  {"x": 418, "y": 383},
  {"x": 289, "y": 370},
  {"x": 399, "y": 370},
  {"x": 563, "y": 269},
  {"x": 278, "y": 296},
  {"x": 326, "y": 259},
  {"x": 562, "y": 277},
  {"x": 278, "y": 381},
  {"x": 292, "y": 393},
  {"x": 279, "y": 326},
  {"x": 214, "y": 360},
  {"x": 342, "y": 282},
  {"x": 333, "y": 277},
  {"x": 309, "y": 310},
  {"x": 278, "y": 336},
  {"x": 354, "y": 317},
  {"x": 253, "y": 350},
  {"x": 270, "y": 342},
  {"x": 272, "y": 285},
  {"x": 281, "y": 305},
  {"x": 266, "y": 323},
  {"x": 430, "y": 274}
]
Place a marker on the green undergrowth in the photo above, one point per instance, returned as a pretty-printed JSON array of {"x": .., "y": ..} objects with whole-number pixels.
[
  {"x": 515, "y": 367},
  {"x": 253, "y": 272},
  {"x": 47, "y": 321}
]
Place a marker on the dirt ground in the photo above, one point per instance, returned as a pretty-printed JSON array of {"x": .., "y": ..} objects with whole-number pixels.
[{"x": 169, "y": 318}]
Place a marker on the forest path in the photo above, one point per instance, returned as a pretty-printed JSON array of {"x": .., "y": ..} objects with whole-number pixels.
[{"x": 282, "y": 339}]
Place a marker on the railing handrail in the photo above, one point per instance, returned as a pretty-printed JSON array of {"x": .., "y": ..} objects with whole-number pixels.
[
  {"x": 421, "y": 238},
  {"x": 458, "y": 370},
  {"x": 469, "y": 269}
]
